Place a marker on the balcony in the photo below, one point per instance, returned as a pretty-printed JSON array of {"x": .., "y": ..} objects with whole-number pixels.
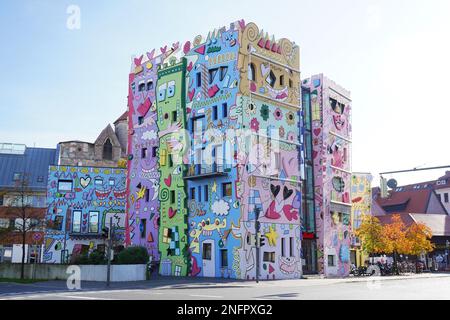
[{"x": 200, "y": 171}]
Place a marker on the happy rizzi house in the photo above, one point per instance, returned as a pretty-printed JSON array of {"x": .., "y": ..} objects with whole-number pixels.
[{"x": 193, "y": 198}]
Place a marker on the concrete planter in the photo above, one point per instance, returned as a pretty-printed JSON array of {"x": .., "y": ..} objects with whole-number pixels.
[{"x": 131, "y": 272}]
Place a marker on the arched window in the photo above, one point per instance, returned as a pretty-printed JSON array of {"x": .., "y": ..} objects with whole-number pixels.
[
  {"x": 107, "y": 150},
  {"x": 251, "y": 72}
]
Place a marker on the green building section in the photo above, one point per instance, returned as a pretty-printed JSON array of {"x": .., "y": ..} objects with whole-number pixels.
[{"x": 173, "y": 228}]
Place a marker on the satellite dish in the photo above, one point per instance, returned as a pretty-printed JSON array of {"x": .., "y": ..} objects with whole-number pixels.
[{"x": 392, "y": 183}]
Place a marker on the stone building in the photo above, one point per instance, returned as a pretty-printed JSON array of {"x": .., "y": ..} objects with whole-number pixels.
[{"x": 106, "y": 151}]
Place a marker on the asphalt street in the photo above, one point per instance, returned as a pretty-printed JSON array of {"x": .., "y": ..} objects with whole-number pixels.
[{"x": 435, "y": 286}]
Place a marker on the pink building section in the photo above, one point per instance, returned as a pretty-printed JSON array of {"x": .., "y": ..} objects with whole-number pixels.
[{"x": 331, "y": 110}]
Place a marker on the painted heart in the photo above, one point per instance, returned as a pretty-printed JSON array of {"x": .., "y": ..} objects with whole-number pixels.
[
  {"x": 242, "y": 23},
  {"x": 265, "y": 69},
  {"x": 287, "y": 192},
  {"x": 163, "y": 49},
  {"x": 189, "y": 67},
  {"x": 315, "y": 153},
  {"x": 168, "y": 180},
  {"x": 187, "y": 47},
  {"x": 151, "y": 54},
  {"x": 175, "y": 46},
  {"x": 191, "y": 94},
  {"x": 275, "y": 189},
  {"x": 213, "y": 90},
  {"x": 138, "y": 61},
  {"x": 144, "y": 107},
  {"x": 172, "y": 213},
  {"x": 317, "y": 131}
]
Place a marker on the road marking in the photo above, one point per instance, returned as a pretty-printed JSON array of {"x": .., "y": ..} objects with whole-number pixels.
[
  {"x": 204, "y": 296},
  {"x": 84, "y": 298}
]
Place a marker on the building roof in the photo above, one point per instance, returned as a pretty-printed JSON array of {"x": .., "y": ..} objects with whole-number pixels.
[
  {"x": 411, "y": 198},
  {"x": 123, "y": 117},
  {"x": 438, "y": 223},
  {"x": 34, "y": 162}
]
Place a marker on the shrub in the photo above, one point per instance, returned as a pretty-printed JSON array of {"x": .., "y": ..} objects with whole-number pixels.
[
  {"x": 133, "y": 255},
  {"x": 96, "y": 257}
]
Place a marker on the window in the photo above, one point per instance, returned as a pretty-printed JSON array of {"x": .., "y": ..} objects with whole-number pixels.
[
  {"x": 192, "y": 193},
  {"x": 291, "y": 247},
  {"x": 174, "y": 116},
  {"x": 170, "y": 161},
  {"x": 283, "y": 246},
  {"x": 207, "y": 251},
  {"x": 58, "y": 223},
  {"x": 214, "y": 113},
  {"x": 199, "y": 194},
  {"x": 107, "y": 150},
  {"x": 251, "y": 72},
  {"x": 331, "y": 260},
  {"x": 224, "y": 110},
  {"x": 147, "y": 195},
  {"x": 172, "y": 196},
  {"x": 143, "y": 228},
  {"x": 65, "y": 185},
  {"x": 199, "y": 79},
  {"x": 112, "y": 182},
  {"x": 76, "y": 221},
  {"x": 17, "y": 176},
  {"x": 144, "y": 153},
  {"x": 226, "y": 189},
  {"x": 446, "y": 197},
  {"x": 93, "y": 221},
  {"x": 290, "y": 83},
  {"x": 150, "y": 85},
  {"x": 439, "y": 196},
  {"x": 140, "y": 120},
  {"x": 269, "y": 257},
  {"x": 224, "y": 258},
  {"x": 4, "y": 223},
  {"x": 212, "y": 75},
  {"x": 141, "y": 86},
  {"x": 271, "y": 78},
  {"x": 282, "y": 80},
  {"x": 223, "y": 72},
  {"x": 154, "y": 152},
  {"x": 1, "y": 200},
  {"x": 206, "y": 192}
]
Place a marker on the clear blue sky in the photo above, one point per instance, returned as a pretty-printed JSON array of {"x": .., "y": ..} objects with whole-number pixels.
[{"x": 58, "y": 84}]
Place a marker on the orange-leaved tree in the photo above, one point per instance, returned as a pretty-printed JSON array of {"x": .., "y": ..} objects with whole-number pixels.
[
  {"x": 419, "y": 236},
  {"x": 395, "y": 240},
  {"x": 370, "y": 234}
]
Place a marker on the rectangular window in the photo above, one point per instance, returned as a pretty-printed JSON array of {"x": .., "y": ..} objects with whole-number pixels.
[
  {"x": 76, "y": 221},
  {"x": 65, "y": 185},
  {"x": 290, "y": 83},
  {"x": 439, "y": 196},
  {"x": 17, "y": 176},
  {"x": 206, "y": 192},
  {"x": 144, "y": 153},
  {"x": 214, "y": 113},
  {"x": 281, "y": 80},
  {"x": 1, "y": 200},
  {"x": 147, "y": 195},
  {"x": 223, "y": 72},
  {"x": 224, "y": 110},
  {"x": 58, "y": 223},
  {"x": 291, "y": 247},
  {"x": 207, "y": 251},
  {"x": 446, "y": 197},
  {"x": 224, "y": 258},
  {"x": 93, "y": 221},
  {"x": 269, "y": 257},
  {"x": 140, "y": 120},
  {"x": 154, "y": 152},
  {"x": 212, "y": 75},
  {"x": 143, "y": 228},
  {"x": 174, "y": 116},
  {"x": 172, "y": 196},
  {"x": 170, "y": 161},
  {"x": 227, "y": 189},
  {"x": 331, "y": 260},
  {"x": 199, "y": 79},
  {"x": 192, "y": 193},
  {"x": 199, "y": 194},
  {"x": 283, "y": 247}
]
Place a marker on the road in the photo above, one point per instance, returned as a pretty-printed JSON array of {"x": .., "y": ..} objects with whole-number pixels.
[{"x": 407, "y": 288}]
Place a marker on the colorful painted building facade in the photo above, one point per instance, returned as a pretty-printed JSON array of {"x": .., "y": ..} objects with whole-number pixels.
[
  {"x": 237, "y": 94},
  {"x": 331, "y": 136},
  {"x": 361, "y": 205},
  {"x": 80, "y": 203}
]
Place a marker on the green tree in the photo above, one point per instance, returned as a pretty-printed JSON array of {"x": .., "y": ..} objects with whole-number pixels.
[{"x": 370, "y": 234}]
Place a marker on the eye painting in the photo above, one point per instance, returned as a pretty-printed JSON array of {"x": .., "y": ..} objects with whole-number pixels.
[{"x": 171, "y": 89}]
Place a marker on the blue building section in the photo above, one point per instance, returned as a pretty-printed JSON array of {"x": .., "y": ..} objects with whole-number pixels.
[
  {"x": 81, "y": 201},
  {"x": 214, "y": 209}
]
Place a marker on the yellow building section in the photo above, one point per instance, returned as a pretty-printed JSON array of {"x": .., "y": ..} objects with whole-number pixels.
[{"x": 361, "y": 194}]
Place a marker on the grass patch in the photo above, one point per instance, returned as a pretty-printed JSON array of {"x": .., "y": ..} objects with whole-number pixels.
[{"x": 25, "y": 281}]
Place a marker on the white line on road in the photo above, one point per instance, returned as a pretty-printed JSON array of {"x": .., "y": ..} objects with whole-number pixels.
[
  {"x": 204, "y": 296},
  {"x": 84, "y": 298}
]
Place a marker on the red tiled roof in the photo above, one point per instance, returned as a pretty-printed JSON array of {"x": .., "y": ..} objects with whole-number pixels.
[
  {"x": 413, "y": 200},
  {"x": 123, "y": 117},
  {"x": 405, "y": 217},
  {"x": 438, "y": 223}
]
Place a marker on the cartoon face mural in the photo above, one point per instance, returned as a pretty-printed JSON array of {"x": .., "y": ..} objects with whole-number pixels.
[
  {"x": 81, "y": 201},
  {"x": 331, "y": 136},
  {"x": 170, "y": 107}
]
